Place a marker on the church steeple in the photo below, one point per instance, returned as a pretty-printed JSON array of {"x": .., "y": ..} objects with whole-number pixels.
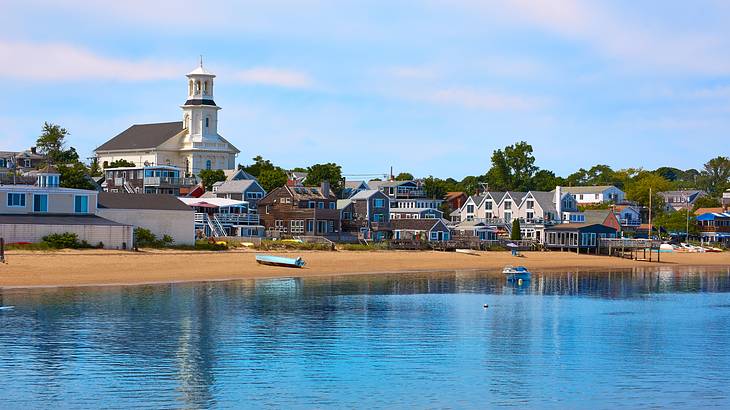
[{"x": 200, "y": 113}]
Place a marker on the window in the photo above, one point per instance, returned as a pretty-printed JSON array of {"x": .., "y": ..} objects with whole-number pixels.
[
  {"x": 470, "y": 209},
  {"x": 530, "y": 204},
  {"x": 27, "y": 163},
  {"x": 310, "y": 225},
  {"x": 332, "y": 205},
  {"x": 434, "y": 235},
  {"x": 279, "y": 225},
  {"x": 488, "y": 205},
  {"x": 297, "y": 226},
  {"x": 379, "y": 203},
  {"x": 310, "y": 204},
  {"x": 285, "y": 200},
  {"x": 207, "y": 122},
  {"x": 530, "y": 216},
  {"x": 320, "y": 205},
  {"x": 81, "y": 204},
  {"x": 3, "y": 164},
  {"x": 16, "y": 200},
  {"x": 40, "y": 203},
  {"x": 507, "y": 204},
  {"x": 347, "y": 216},
  {"x": 378, "y": 218}
]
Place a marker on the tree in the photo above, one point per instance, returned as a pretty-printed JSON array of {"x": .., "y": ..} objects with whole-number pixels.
[
  {"x": 259, "y": 165},
  {"x": 210, "y": 177},
  {"x": 75, "y": 176},
  {"x": 512, "y": 168},
  {"x": 434, "y": 188},
  {"x": 121, "y": 163},
  {"x": 638, "y": 190},
  {"x": 95, "y": 169},
  {"x": 706, "y": 202},
  {"x": 516, "y": 234},
  {"x": 331, "y": 172},
  {"x": 272, "y": 178},
  {"x": 715, "y": 177},
  {"x": 545, "y": 180},
  {"x": 597, "y": 175},
  {"x": 52, "y": 142},
  {"x": 404, "y": 176},
  {"x": 676, "y": 222}
]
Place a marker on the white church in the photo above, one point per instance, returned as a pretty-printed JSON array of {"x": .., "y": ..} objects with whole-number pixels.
[{"x": 192, "y": 144}]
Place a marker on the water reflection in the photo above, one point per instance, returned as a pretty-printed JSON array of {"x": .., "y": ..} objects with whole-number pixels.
[{"x": 417, "y": 339}]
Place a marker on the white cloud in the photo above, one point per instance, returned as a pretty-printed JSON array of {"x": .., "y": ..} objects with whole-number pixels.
[
  {"x": 64, "y": 62},
  {"x": 275, "y": 76}
]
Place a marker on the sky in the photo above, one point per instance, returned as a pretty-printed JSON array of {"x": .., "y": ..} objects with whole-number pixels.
[{"x": 428, "y": 87}]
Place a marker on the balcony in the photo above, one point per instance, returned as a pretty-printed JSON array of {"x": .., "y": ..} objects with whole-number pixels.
[
  {"x": 629, "y": 222},
  {"x": 381, "y": 226},
  {"x": 238, "y": 219},
  {"x": 169, "y": 181}
]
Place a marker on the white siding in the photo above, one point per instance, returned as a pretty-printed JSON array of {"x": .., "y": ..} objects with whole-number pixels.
[
  {"x": 178, "y": 224},
  {"x": 113, "y": 237}
]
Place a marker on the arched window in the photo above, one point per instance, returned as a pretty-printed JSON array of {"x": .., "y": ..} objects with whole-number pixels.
[
  {"x": 186, "y": 124},
  {"x": 208, "y": 164},
  {"x": 197, "y": 87},
  {"x": 205, "y": 88},
  {"x": 190, "y": 87},
  {"x": 207, "y": 122}
]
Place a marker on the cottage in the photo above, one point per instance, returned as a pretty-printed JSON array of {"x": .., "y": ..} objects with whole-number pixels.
[
  {"x": 629, "y": 216},
  {"x": 248, "y": 190},
  {"x": 20, "y": 161},
  {"x": 431, "y": 230},
  {"x": 468, "y": 230},
  {"x": 366, "y": 214},
  {"x": 678, "y": 200},
  {"x": 586, "y": 195},
  {"x": 300, "y": 210},
  {"x": 715, "y": 227},
  {"x": 160, "y": 213},
  {"x": 30, "y": 212},
  {"x": 604, "y": 217},
  {"x": 580, "y": 237},
  {"x": 216, "y": 217}
]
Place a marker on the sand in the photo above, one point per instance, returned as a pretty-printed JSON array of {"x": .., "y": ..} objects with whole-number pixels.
[{"x": 99, "y": 267}]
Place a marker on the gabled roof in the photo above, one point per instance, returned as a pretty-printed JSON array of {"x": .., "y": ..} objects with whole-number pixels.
[
  {"x": 477, "y": 199},
  {"x": 452, "y": 195},
  {"x": 356, "y": 184},
  {"x": 111, "y": 200},
  {"x": 597, "y": 216},
  {"x": 586, "y": 189},
  {"x": 365, "y": 194},
  {"x": 217, "y": 202},
  {"x": 416, "y": 224},
  {"x": 237, "y": 174},
  {"x": 343, "y": 203},
  {"x": 546, "y": 200},
  {"x": 141, "y": 136},
  {"x": 234, "y": 187},
  {"x": 496, "y": 196},
  {"x": 51, "y": 219}
]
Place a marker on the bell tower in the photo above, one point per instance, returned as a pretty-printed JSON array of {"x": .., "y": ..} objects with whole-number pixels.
[{"x": 200, "y": 113}]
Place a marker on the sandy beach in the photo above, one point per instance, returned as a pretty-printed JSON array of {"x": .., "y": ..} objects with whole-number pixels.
[{"x": 99, "y": 267}]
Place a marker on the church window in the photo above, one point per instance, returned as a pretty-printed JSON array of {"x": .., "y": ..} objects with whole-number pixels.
[
  {"x": 190, "y": 87},
  {"x": 197, "y": 87},
  {"x": 208, "y": 164},
  {"x": 207, "y": 121},
  {"x": 205, "y": 88}
]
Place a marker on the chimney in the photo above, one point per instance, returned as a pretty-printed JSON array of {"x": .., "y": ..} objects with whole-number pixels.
[
  {"x": 326, "y": 188},
  {"x": 559, "y": 203},
  {"x": 33, "y": 150}
]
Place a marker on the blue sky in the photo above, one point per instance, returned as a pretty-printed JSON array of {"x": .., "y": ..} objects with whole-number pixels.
[{"x": 430, "y": 87}]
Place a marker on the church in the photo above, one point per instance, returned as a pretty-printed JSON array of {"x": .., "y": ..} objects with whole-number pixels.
[{"x": 192, "y": 144}]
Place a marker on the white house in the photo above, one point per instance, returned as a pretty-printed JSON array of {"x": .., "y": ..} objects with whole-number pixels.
[
  {"x": 192, "y": 144},
  {"x": 586, "y": 195}
]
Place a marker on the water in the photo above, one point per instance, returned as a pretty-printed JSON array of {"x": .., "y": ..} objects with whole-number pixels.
[{"x": 638, "y": 340}]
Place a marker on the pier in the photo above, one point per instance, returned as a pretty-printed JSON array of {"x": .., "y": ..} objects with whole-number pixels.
[{"x": 635, "y": 249}]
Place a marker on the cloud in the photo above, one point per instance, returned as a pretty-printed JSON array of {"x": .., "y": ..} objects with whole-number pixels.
[
  {"x": 66, "y": 62},
  {"x": 275, "y": 76},
  {"x": 476, "y": 99}
]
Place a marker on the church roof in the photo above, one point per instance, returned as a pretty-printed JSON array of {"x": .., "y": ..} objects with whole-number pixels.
[
  {"x": 141, "y": 136},
  {"x": 199, "y": 70}
]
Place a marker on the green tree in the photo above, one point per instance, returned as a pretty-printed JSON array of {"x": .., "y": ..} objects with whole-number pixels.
[
  {"x": 638, "y": 190},
  {"x": 516, "y": 233},
  {"x": 75, "y": 176},
  {"x": 404, "y": 176},
  {"x": 331, "y": 172},
  {"x": 209, "y": 177},
  {"x": 52, "y": 141},
  {"x": 715, "y": 177},
  {"x": 545, "y": 180},
  {"x": 121, "y": 163},
  {"x": 512, "y": 168},
  {"x": 259, "y": 165},
  {"x": 271, "y": 179},
  {"x": 95, "y": 169},
  {"x": 470, "y": 184},
  {"x": 676, "y": 222},
  {"x": 707, "y": 202},
  {"x": 434, "y": 188}
]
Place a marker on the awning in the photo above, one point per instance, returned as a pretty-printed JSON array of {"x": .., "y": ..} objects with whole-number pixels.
[{"x": 203, "y": 205}]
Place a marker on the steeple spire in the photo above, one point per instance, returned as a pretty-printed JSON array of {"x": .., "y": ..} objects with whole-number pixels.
[{"x": 201, "y": 61}]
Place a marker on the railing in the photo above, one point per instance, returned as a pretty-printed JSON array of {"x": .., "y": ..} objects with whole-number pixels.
[
  {"x": 629, "y": 222},
  {"x": 154, "y": 181},
  {"x": 239, "y": 219}
]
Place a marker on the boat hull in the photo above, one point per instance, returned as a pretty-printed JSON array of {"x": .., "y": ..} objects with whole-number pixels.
[{"x": 280, "y": 261}]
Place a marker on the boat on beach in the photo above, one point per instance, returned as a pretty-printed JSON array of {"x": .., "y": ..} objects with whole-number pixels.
[
  {"x": 468, "y": 252},
  {"x": 272, "y": 260},
  {"x": 516, "y": 272}
]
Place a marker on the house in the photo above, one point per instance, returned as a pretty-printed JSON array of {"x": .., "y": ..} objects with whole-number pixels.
[
  {"x": 677, "y": 200},
  {"x": 586, "y": 195},
  {"x": 248, "y": 190},
  {"x": 353, "y": 187},
  {"x": 300, "y": 210},
  {"x": 366, "y": 214},
  {"x": 20, "y": 161},
  {"x": 237, "y": 175},
  {"x": 415, "y": 213},
  {"x": 455, "y": 216},
  {"x": 715, "y": 227},
  {"x": 605, "y": 217},
  {"x": 431, "y": 230},
  {"x": 160, "y": 179},
  {"x": 629, "y": 216},
  {"x": 406, "y": 194},
  {"x": 579, "y": 237},
  {"x": 468, "y": 230},
  {"x": 162, "y": 214},
  {"x": 215, "y": 217},
  {"x": 726, "y": 200},
  {"x": 701, "y": 211},
  {"x": 30, "y": 212},
  {"x": 191, "y": 145},
  {"x": 296, "y": 178},
  {"x": 455, "y": 199}
]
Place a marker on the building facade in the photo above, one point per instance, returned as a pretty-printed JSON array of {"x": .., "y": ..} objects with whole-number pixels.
[{"x": 300, "y": 210}]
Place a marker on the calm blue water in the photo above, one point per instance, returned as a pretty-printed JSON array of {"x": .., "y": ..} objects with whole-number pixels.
[{"x": 637, "y": 340}]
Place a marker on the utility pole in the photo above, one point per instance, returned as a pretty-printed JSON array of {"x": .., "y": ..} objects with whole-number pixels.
[{"x": 650, "y": 226}]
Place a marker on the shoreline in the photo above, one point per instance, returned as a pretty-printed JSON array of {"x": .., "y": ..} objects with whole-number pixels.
[{"x": 82, "y": 268}]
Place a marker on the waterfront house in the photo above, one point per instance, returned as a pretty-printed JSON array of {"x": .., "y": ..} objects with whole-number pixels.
[
  {"x": 215, "y": 217},
  {"x": 30, "y": 212},
  {"x": 605, "y": 217},
  {"x": 577, "y": 236},
  {"x": 455, "y": 216},
  {"x": 629, "y": 216},
  {"x": 468, "y": 230},
  {"x": 430, "y": 230},
  {"x": 701, "y": 211},
  {"x": 162, "y": 214},
  {"x": 300, "y": 210},
  {"x": 587, "y": 195},
  {"x": 366, "y": 214},
  {"x": 191, "y": 145},
  {"x": 678, "y": 200},
  {"x": 158, "y": 179},
  {"x": 415, "y": 213},
  {"x": 715, "y": 227},
  {"x": 353, "y": 187},
  {"x": 20, "y": 162},
  {"x": 248, "y": 190}
]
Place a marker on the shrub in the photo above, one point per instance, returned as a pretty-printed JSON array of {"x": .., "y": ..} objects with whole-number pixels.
[
  {"x": 303, "y": 246},
  {"x": 144, "y": 238},
  {"x": 379, "y": 246},
  {"x": 66, "y": 240}
]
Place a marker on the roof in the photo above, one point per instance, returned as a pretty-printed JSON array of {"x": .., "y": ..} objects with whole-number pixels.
[
  {"x": 452, "y": 195},
  {"x": 218, "y": 202},
  {"x": 354, "y": 184},
  {"x": 50, "y": 219},
  {"x": 586, "y": 189},
  {"x": 365, "y": 194},
  {"x": 111, "y": 200},
  {"x": 200, "y": 70},
  {"x": 701, "y": 211},
  {"x": 140, "y": 136},
  {"x": 573, "y": 227},
  {"x": 236, "y": 174},
  {"x": 343, "y": 203},
  {"x": 33, "y": 188},
  {"x": 235, "y": 186},
  {"x": 308, "y": 192},
  {"x": 597, "y": 216},
  {"x": 455, "y": 212},
  {"x": 688, "y": 192},
  {"x": 48, "y": 169},
  {"x": 414, "y": 210},
  {"x": 546, "y": 200},
  {"x": 712, "y": 216},
  {"x": 415, "y": 224}
]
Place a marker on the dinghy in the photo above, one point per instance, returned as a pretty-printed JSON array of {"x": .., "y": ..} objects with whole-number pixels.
[
  {"x": 516, "y": 272},
  {"x": 280, "y": 261}
]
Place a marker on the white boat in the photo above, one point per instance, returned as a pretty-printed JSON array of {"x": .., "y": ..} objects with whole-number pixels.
[
  {"x": 516, "y": 272},
  {"x": 468, "y": 252}
]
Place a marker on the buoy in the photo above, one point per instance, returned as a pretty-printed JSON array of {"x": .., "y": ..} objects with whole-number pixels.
[{"x": 486, "y": 306}]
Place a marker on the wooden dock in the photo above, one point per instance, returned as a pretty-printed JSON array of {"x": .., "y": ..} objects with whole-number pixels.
[{"x": 628, "y": 248}]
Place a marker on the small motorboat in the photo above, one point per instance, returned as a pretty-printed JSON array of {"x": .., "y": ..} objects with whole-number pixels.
[
  {"x": 516, "y": 272},
  {"x": 280, "y": 261}
]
